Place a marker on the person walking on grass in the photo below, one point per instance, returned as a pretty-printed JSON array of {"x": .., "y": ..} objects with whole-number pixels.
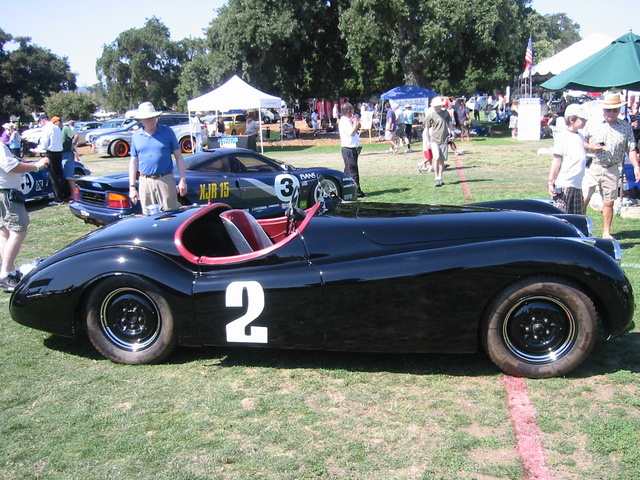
[{"x": 436, "y": 134}]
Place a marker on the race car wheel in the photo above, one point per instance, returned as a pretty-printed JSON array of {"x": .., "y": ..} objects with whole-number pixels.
[
  {"x": 120, "y": 149},
  {"x": 129, "y": 321},
  {"x": 186, "y": 146},
  {"x": 325, "y": 187},
  {"x": 540, "y": 327}
]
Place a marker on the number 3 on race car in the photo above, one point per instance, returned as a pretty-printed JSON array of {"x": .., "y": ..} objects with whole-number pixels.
[
  {"x": 285, "y": 186},
  {"x": 237, "y": 330}
]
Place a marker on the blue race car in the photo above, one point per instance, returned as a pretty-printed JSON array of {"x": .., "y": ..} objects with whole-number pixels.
[
  {"x": 241, "y": 178},
  {"x": 37, "y": 185}
]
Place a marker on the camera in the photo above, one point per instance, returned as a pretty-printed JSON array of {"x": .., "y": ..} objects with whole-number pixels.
[{"x": 557, "y": 192}]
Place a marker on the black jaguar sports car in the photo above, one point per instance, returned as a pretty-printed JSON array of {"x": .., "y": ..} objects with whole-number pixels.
[
  {"x": 530, "y": 288},
  {"x": 239, "y": 177}
]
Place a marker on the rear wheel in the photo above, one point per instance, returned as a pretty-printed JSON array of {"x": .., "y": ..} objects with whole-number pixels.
[
  {"x": 186, "y": 145},
  {"x": 120, "y": 149},
  {"x": 129, "y": 321},
  {"x": 540, "y": 327}
]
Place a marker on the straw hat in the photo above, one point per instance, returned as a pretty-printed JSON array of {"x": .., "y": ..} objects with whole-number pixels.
[
  {"x": 146, "y": 110},
  {"x": 612, "y": 100}
]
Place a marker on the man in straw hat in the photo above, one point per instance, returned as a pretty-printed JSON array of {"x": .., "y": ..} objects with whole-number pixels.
[
  {"x": 151, "y": 149},
  {"x": 609, "y": 138}
]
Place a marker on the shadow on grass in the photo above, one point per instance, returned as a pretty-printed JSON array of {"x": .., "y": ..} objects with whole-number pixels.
[{"x": 621, "y": 354}]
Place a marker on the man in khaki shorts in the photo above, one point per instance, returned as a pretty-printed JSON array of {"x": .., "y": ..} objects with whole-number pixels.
[
  {"x": 609, "y": 138},
  {"x": 14, "y": 219}
]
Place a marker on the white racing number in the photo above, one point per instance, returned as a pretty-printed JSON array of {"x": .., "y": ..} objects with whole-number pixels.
[
  {"x": 285, "y": 186},
  {"x": 237, "y": 330}
]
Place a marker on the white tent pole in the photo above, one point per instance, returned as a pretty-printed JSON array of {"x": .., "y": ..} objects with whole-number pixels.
[
  {"x": 260, "y": 131},
  {"x": 191, "y": 132}
]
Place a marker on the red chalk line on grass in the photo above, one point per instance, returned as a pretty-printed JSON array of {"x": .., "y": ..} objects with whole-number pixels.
[{"x": 521, "y": 411}]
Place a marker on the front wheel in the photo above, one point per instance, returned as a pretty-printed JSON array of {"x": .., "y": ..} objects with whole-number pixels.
[
  {"x": 120, "y": 149},
  {"x": 540, "y": 327},
  {"x": 129, "y": 321},
  {"x": 326, "y": 187},
  {"x": 186, "y": 145}
]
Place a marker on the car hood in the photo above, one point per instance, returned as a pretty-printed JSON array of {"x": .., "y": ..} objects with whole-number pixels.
[{"x": 397, "y": 224}]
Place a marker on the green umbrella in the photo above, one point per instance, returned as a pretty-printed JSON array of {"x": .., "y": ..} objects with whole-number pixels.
[{"x": 615, "y": 66}]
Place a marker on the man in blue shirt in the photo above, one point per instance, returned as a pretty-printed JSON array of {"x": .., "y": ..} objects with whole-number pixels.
[{"x": 151, "y": 149}]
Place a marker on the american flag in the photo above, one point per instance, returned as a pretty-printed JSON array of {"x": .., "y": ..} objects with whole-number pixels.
[{"x": 528, "y": 59}]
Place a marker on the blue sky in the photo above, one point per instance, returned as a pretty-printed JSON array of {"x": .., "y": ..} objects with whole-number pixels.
[{"x": 78, "y": 30}]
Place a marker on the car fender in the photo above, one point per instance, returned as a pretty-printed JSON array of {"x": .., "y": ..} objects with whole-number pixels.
[
  {"x": 83, "y": 271},
  {"x": 603, "y": 279}
]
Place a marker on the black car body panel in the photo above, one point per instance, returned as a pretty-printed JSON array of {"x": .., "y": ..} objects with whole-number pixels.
[
  {"x": 355, "y": 276},
  {"x": 239, "y": 177}
]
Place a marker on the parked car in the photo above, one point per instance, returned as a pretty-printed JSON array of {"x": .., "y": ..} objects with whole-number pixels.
[
  {"x": 527, "y": 287},
  {"x": 83, "y": 128},
  {"x": 118, "y": 143},
  {"x": 109, "y": 126},
  {"x": 242, "y": 178},
  {"x": 37, "y": 185}
]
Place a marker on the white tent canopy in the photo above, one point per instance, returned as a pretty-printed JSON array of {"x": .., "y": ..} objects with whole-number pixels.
[
  {"x": 570, "y": 56},
  {"x": 234, "y": 94}
]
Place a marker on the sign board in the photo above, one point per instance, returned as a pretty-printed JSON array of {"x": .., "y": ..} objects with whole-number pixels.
[
  {"x": 366, "y": 122},
  {"x": 529, "y": 117}
]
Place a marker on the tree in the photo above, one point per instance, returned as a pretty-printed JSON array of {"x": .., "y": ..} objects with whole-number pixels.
[
  {"x": 28, "y": 75},
  {"x": 454, "y": 47},
  {"x": 290, "y": 48},
  {"x": 551, "y": 34},
  {"x": 141, "y": 65},
  {"x": 70, "y": 105}
]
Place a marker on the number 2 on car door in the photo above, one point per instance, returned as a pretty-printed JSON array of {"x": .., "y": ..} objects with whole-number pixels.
[{"x": 237, "y": 329}]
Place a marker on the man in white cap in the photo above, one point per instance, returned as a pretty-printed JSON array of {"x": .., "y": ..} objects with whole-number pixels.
[
  {"x": 609, "y": 138},
  {"x": 436, "y": 134},
  {"x": 151, "y": 149}
]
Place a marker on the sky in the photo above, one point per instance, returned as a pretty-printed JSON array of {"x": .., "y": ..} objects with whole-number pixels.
[{"x": 78, "y": 30}]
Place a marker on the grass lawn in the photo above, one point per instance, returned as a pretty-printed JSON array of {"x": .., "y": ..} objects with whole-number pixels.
[{"x": 218, "y": 413}]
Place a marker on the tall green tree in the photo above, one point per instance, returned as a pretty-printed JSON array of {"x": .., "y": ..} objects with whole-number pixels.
[
  {"x": 141, "y": 65},
  {"x": 291, "y": 48},
  {"x": 454, "y": 47},
  {"x": 28, "y": 75}
]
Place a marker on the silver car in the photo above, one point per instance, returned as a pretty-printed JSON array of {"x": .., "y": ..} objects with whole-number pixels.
[
  {"x": 109, "y": 126},
  {"x": 118, "y": 143},
  {"x": 83, "y": 129}
]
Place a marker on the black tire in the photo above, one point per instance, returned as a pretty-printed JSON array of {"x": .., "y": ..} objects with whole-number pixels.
[
  {"x": 186, "y": 145},
  {"x": 120, "y": 148},
  {"x": 540, "y": 327},
  {"x": 329, "y": 185},
  {"x": 129, "y": 321}
]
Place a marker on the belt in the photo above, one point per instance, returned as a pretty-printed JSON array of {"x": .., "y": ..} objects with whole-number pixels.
[{"x": 155, "y": 177}]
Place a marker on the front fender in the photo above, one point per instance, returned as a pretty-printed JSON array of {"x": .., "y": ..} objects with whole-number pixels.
[{"x": 51, "y": 297}]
